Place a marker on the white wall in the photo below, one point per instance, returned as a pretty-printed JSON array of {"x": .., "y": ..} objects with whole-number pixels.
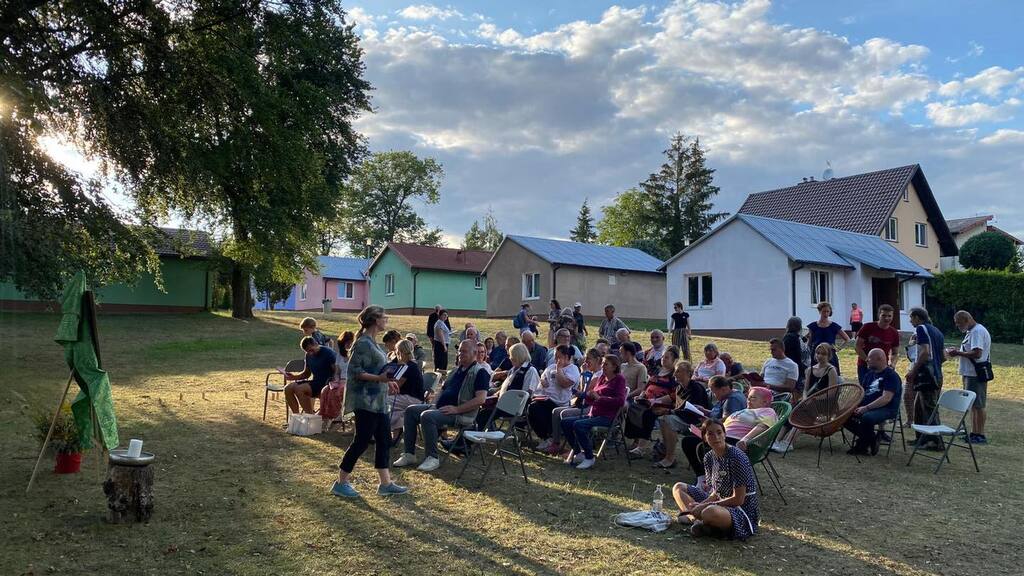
[
  {"x": 751, "y": 280},
  {"x": 844, "y": 281}
]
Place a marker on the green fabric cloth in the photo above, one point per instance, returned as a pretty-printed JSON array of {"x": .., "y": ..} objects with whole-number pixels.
[{"x": 74, "y": 334}]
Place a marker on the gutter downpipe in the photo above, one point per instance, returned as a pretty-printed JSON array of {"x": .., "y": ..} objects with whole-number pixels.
[
  {"x": 901, "y": 282},
  {"x": 415, "y": 273},
  {"x": 554, "y": 280},
  {"x": 793, "y": 285}
]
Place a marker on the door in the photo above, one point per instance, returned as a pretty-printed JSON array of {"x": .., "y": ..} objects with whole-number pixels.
[{"x": 886, "y": 291}]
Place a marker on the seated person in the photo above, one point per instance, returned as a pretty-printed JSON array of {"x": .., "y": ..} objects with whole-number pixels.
[
  {"x": 463, "y": 393},
  {"x": 657, "y": 399},
  {"x": 418, "y": 353},
  {"x": 481, "y": 358},
  {"x": 564, "y": 338},
  {"x": 633, "y": 370},
  {"x": 602, "y": 346},
  {"x": 592, "y": 364},
  {"x": 538, "y": 353},
  {"x": 727, "y": 401},
  {"x": 882, "y": 392},
  {"x": 779, "y": 373},
  {"x": 499, "y": 352},
  {"x": 470, "y": 332},
  {"x": 710, "y": 366},
  {"x": 506, "y": 364},
  {"x": 732, "y": 368},
  {"x": 321, "y": 364},
  {"x": 622, "y": 336},
  {"x": 410, "y": 386},
  {"x": 726, "y": 505},
  {"x": 309, "y": 328},
  {"x": 652, "y": 356},
  {"x": 390, "y": 340},
  {"x": 556, "y": 384},
  {"x": 524, "y": 377},
  {"x": 741, "y": 427},
  {"x": 817, "y": 377},
  {"x": 604, "y": 400}
]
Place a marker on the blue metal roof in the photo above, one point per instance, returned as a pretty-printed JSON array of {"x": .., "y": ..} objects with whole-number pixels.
[
  {"x": 343, "y": 268},
  {"x": 810, "y": 244},
  {"x": 590, "y": 255}
]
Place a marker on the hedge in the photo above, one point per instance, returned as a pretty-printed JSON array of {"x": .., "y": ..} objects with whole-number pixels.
[{"x": 994, "y": 298}]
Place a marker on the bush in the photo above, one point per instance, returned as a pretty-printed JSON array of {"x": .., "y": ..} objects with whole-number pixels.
[
  {"x": 65, "y": 438},
  {"x": 994, "y": 298},
  {"x": 988, "y": 251}
]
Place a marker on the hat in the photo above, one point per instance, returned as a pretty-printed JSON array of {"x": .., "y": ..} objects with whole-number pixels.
[{"x": 577, "y": 305}]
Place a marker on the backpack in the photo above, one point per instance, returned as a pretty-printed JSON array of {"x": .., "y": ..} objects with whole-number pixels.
[
  {"x": 805, "y": 354},
  {"x": 331, "y": 398},
  {"x": 517, "y": 322}
]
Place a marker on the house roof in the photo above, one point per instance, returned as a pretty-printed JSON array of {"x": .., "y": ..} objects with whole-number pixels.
[
  {"x": 586, "y": 255},
  {"x": 860, "y": 203},
  {"x": 959, "y": 225},
  {"x": 435, "y": 258},
  {"x": 337, "y": 268},
  {"x": 181, "y": 242},
  {"x": 817, "y": 245}
]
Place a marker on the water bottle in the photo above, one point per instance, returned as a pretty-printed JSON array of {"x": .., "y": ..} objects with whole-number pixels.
[{"x": 659, "y": 499}]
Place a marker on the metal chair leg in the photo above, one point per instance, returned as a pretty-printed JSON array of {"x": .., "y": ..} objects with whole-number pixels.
[
  {"x": 776, "y": 480},
  {"x": 266, "y": 399}
]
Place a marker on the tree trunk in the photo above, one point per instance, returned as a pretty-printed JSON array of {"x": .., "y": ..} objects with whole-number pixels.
[
  {"x": 129, "y": 491},
  {"x": 241, "y": 293}
]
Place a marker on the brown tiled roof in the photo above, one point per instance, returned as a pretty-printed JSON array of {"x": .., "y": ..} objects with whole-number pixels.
[
  {"x": 434, "y": 258},
  {"x": 958, "y": 225},
  {"x": 181, "y": 242},
  {"x": 860, "y": 203}
]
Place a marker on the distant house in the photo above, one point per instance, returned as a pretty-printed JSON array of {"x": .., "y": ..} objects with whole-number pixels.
[
  {"x": 412, "y": 279},
  {"x": 186, "y": 275},
  {"x": 895, "y": 204},
  {"x": 536, "y": 270},
  {"x": 963, "y": 229},
  {"x": 749, "y": 275},
  {"x": 341, "y": 280}
]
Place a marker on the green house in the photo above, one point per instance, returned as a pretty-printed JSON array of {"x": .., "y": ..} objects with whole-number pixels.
[
  {"x": 187, "y": 282},
  {"x": 412, "y": 279}
]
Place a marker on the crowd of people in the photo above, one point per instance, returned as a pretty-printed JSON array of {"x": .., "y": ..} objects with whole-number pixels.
[{"x": 710, "y": 410}]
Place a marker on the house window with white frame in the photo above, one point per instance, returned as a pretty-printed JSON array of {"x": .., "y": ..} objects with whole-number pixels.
[
  {"x": 389, "y": 284},
  {"x": 611, "y": 279},
  {"x": 906, "y": 194},
  {"x": 821, "y": 286},
  {"x": 478, "y": 283},
  {"x": 531, "y": 286},
  {"x": 346, "y": 290},
  {"x": 920, "y": 234},
  {"x": 892, "y": 230},
  {"x": 302, "y": 291},
  {"x": 699, "y": 291},
  {"x": 904, "y": 297}
]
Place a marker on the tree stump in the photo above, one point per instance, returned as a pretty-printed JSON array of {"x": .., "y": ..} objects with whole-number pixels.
[{"x": 129, "y": 491}]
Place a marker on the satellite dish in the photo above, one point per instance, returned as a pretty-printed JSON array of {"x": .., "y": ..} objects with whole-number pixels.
[{"x": 828, "y": 173}]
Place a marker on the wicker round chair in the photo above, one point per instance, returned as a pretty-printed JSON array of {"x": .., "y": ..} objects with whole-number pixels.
[{"x": 823, "y": 413}]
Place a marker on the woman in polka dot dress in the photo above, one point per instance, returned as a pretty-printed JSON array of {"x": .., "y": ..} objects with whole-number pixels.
[{"x": 731, "y": 509}]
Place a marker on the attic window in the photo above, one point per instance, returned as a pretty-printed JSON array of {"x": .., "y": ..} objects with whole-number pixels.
[
  {"x": 906, "y": 195},
  {"x": 892, "y": 230}
]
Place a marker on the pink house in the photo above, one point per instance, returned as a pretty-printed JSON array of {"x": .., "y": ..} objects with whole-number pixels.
[{"x": 341, "y": 280}]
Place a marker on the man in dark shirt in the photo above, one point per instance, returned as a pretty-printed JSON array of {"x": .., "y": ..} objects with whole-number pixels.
[
  {"x": 882, "y": 391},
  {"x": 321, "y": 364},
  {"x": 924, "y": 378},
  {"x": 538, "y": 353}
]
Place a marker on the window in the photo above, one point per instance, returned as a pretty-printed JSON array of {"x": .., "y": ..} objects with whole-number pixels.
[
  {"x": 699, "y": 291},
  {"x": 906, "y": 194},
  {"x": 478, "y": 283},
  {"x": 389, "y": 284},
  {"x": 611, "y": 279},
  {"x": 531, "y": 286},
  {"x": 892, "y": 230},
  {"x": 920, "y": 234},
  {"x": 821, "y": 286},
  {"x": 924, "y": 291},
  {"x": 346, "y": 290},
  {"x": 302, "y": 292}
]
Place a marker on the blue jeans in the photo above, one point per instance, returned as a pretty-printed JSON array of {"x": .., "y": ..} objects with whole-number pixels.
[
  {"x": 577, "y": 432},
  {"x": 431, "y": 420}
]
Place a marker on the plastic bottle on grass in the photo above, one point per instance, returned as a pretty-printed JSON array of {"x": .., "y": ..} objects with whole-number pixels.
[{"x": 659, "y": 499}]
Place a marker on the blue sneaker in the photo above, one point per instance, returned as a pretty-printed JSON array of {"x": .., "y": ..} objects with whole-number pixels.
[
  {"x": 344, "y": 490},
  {"x": 978, "y": 439},
  {"x": 391, "y": 489}
]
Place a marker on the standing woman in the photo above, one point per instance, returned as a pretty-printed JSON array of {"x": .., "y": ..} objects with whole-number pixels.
[
  {"x": 344, "y": 345},
  {"x": 554, "y": 312},
  {"x": 824, "y": 330},
  {"x": 442, "y": 337},
  {"x": 681, "y": 330},
  {"x": 367, "y": 397}
]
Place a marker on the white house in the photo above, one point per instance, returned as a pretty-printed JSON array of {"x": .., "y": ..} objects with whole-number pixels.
[{"x": 748, "y": 276}]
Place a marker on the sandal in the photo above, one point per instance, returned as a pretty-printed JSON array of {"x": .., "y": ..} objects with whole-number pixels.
[{"x": 662, "y": 466}]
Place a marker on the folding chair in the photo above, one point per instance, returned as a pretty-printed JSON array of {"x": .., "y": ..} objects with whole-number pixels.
[
  {"x": 292, "y": 366},
  {"x": 759, "y": 449},
  {"x": 614, "y": 434},
  {"x": 955, "y": 401},
  {"x": 895, "y": 424},
  {"x": 511, "y": 402}
]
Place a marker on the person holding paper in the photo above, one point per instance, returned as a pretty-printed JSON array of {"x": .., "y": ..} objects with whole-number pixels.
[
  {"x": 741, "y": 427},
  {"x": 410, "y": 385},
  {"x": 727, "y": 401},
  {"x": 321, "y": 364},
  {"x": 657, "y": 399}
]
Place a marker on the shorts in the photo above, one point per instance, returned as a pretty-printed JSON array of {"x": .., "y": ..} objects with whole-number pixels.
[
  {"x": 678, "y": 424},
  {"x": 315, "y": 387},
  {"x": 979, "y": 388},
  {"x": 856, "y": 326}
]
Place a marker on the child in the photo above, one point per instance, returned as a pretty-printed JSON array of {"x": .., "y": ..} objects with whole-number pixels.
[{"x": 309, "y": 328}]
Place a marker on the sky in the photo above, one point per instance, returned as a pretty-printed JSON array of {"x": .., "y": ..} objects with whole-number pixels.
[{"x": 533, "y": 107}]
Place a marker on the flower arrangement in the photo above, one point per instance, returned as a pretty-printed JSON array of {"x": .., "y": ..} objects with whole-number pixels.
[{"x": 65, "y": 438}]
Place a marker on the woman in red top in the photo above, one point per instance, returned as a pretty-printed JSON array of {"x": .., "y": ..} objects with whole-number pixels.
[
  {"x": 605, "y": 400},
  {"x": 657, "y": 399},
  {"x": 856, "y": 319}
]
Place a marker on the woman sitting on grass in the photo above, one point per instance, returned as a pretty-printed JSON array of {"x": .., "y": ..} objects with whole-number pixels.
[
  {"x": 657, "y": 399},
  {"x": 606, "y": 398},
  {"x": 727, "y": 505}
]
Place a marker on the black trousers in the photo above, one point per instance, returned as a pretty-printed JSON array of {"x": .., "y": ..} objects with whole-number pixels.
[
  {"x": 691, "y": 448},
  {"x": 374, "y": 425},
  {"x": 539, "y": 414},
  {"x": 644, "y": 430}
]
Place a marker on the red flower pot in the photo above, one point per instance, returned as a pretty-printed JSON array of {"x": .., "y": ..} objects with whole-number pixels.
[{"x": 68, "y": 463}]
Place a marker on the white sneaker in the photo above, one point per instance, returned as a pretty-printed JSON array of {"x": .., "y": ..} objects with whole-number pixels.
[
  {"x": 545, "y": 445},
  {"x": 405, "y": 460},
  {"x": 586, "y": 463},
  {"x": 429, "y": 464},
  {"x": 781, "y": 447}
]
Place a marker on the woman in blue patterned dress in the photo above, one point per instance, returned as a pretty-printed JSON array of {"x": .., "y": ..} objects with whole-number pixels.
[{"x": 730, "y": 510}]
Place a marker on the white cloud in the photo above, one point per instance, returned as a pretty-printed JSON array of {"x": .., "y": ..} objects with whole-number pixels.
[
  {"x": 956, "y": 115},
  {"x": 1004, "y": 136},
  {"x": 428, "y": 12},
  {"x": 989, "y": 82}
]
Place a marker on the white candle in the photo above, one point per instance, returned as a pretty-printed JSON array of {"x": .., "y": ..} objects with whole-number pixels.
[{"x": 134, "y": 448}]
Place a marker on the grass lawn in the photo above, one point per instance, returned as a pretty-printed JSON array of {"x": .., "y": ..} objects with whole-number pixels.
[{"x": 235, "y": 495}]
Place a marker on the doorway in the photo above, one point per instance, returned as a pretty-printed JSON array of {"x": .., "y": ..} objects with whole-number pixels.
[{"x": 886, "y": 291}]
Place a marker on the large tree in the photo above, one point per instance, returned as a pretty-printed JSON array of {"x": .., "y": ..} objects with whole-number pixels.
[
  {"x": 989, "y": 251},
  {"x": 378, "y": 201},
  {"x": 584, "y": 230},
  {"x": 488, "y": 237},
  {"x": 626, "y": 220}
]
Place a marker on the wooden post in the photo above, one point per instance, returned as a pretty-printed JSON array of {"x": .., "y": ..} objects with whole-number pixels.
[
  {"x": 53, "y": 423},
  {"x": 129, "y": 491}
]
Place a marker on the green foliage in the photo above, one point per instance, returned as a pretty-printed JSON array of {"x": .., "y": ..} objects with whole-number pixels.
[
  {"x": 626, "y": 220},
  {"x": 994, "y": 298},
  {"x": 989, "y": 251},
  {"x": 65, "y": 438},
  {"x": 487, "y": 238},
  {"x": 584, "y": 230},
  {"x": 656, "y": 249},
  {"x": 377, "y": 201}
]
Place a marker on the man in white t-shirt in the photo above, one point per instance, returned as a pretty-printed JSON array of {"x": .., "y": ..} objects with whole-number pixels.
[
  {"x": 779, "y": 372},
  {"x": 976, "y": 346}
]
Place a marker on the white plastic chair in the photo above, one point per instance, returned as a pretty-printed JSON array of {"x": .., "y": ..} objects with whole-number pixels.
[
  {"x": 292, "y": 366},
  {"x": 510, "y": 402},
  {"x": 956, "y": 401}
]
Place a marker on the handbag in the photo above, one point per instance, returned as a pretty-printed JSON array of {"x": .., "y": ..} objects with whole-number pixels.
[{"x": 983, "y": 370}]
